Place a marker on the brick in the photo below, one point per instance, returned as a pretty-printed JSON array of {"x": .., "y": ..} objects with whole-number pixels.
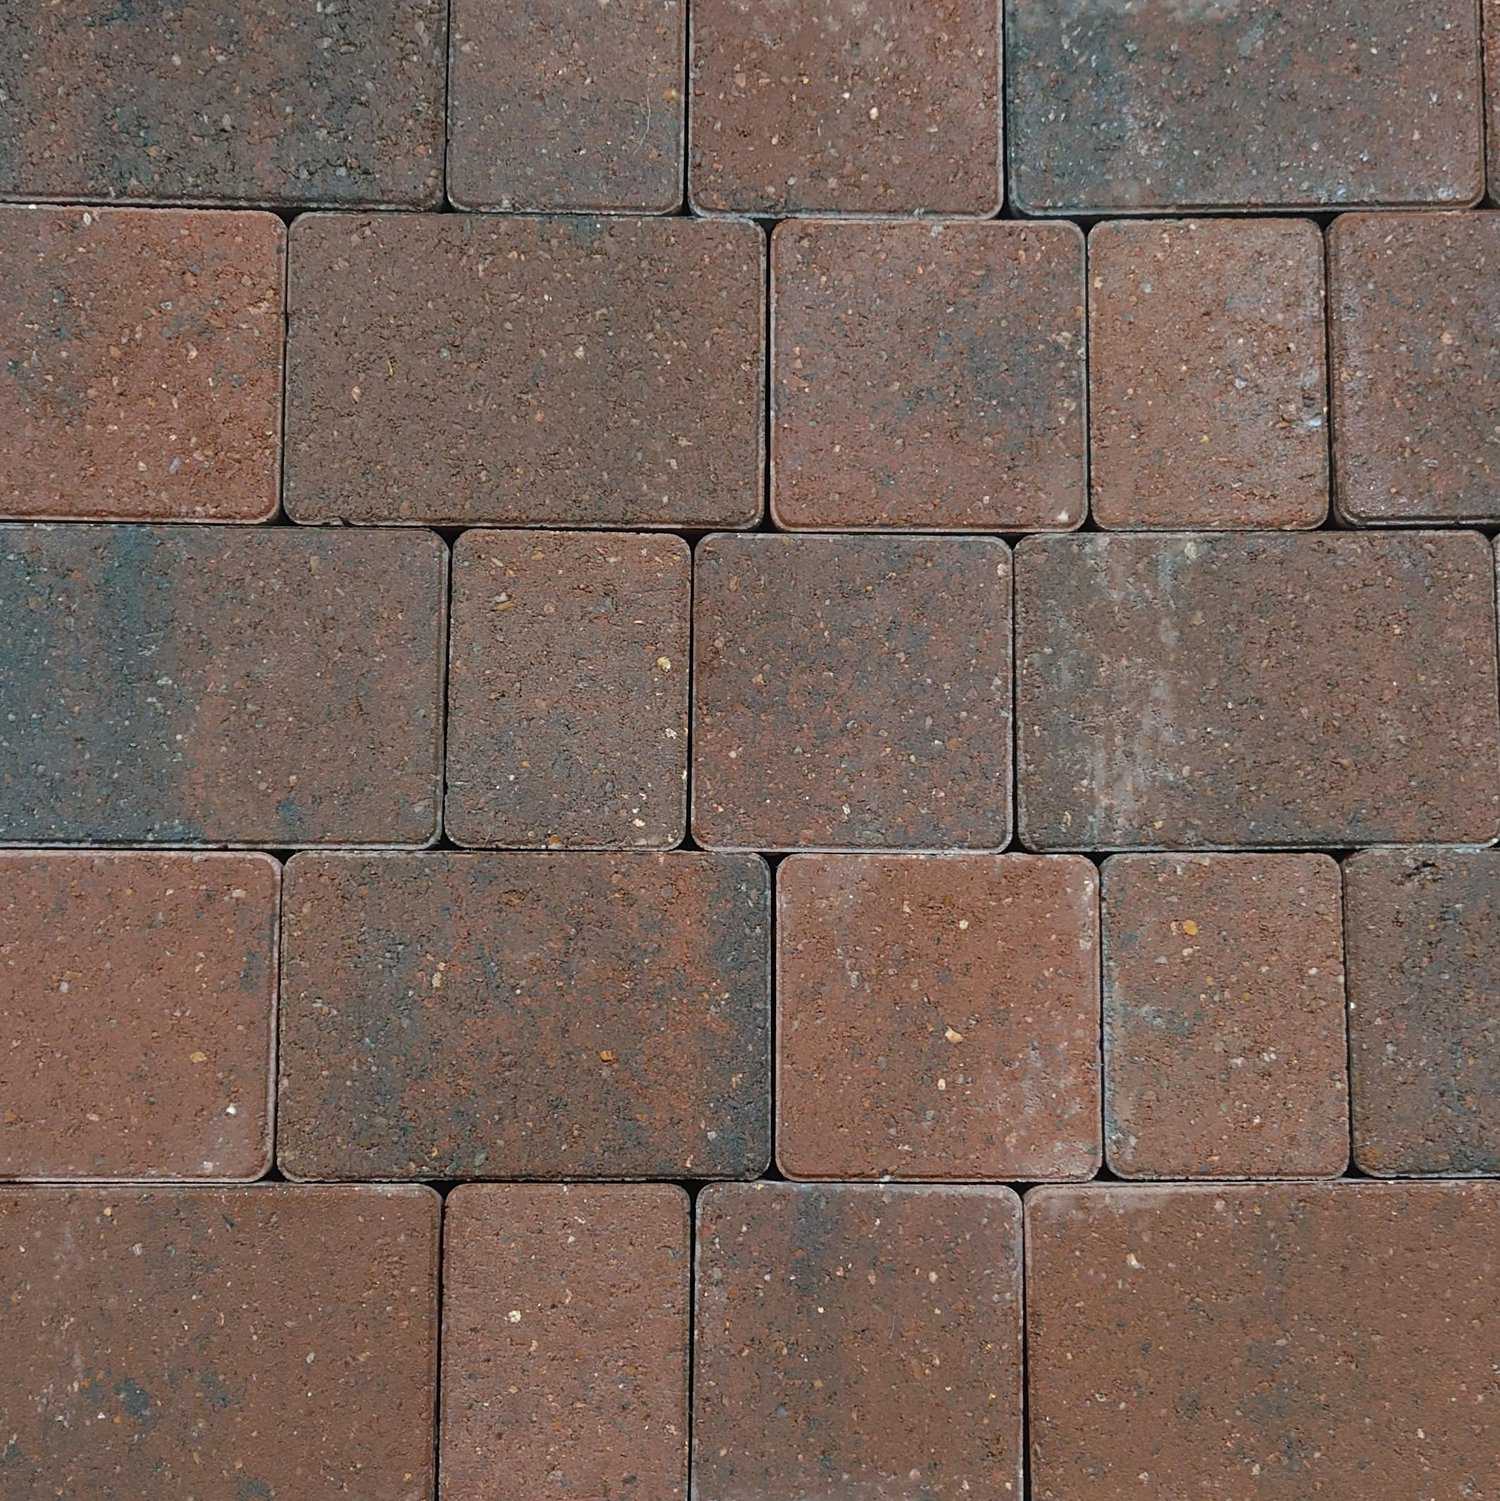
[
  {"x": 851, "y": 693},
  {"x": 1208, "y": 380},
  {"x": 568, "y": 690},
  {"x": 1205, "y": 104},
  {"x": 136, "y": 1034},
  {"x": 1260, "y": 1340},
  {"x": 1224, "y": 1038},
  {"x": 857, "y": 1340},
  {"x": 565, "y": 1341},
  {"x": 1424, "y": 1030},
  {"x": 806, "y": 106},
  {"x": 928, "y": 377},
  {"x": 567, "y": 106},
  {"x": 525, "y": 1016},
  {"x": 1286, "y": 691},
  {"x": 192, "y": 685},
  {"x": 937, "y": 1017},
  {"x": 1491, "y": 29},
  {"x": 224, "y": 1344},
  {"x": 1415, "y": 302},
  {"x": 145, "y": 354},
  {"x": 463, "y": 369}
]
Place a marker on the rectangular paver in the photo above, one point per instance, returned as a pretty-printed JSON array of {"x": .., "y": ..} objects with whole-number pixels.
[{"x": 1492, "y": 92}]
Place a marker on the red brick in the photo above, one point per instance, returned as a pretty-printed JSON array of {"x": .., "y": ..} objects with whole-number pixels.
[
  {"x": 565, "y": 1341},
  {"x": 851, "y": 692},
  {"x": 807, "y": 106},
  {"x": 567, "y": 105},
  {"x": 1416, "y": 365},
  {"x": 928, "y": 377},
  {"x": 1209, "y": 104},
  {"x": 1262, "y": 1340},
  {"x": 525, "y": 1016},
  {"x": 1424, "y": 1027},
  {"x": 219, "y": 1344},
  {"x": 460, "y": 369},
  {"x": 1321, "y": 689},
  {"x": 1225, "y": 1053},
  {"x": 192, "y": 685},
  {"x": 1208, "y": 380},
  {"x": 145, "y": 354},
  {"x": 937, "y": 1017},
  {"x": 857, "y": 1340}
]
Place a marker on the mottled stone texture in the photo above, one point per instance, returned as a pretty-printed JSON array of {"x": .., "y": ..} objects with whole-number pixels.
[
  {"x": 1424, "y": 1009},
  {"x": 1415, "y": 302},
  {"x": 928, "y": 377},
  {"x": 201, "y": 685},
  {"x": 241, "y": 1344},
  {"x": 567, "y": 105},
  {"x": 1224, "y": 1038},
  {"x": 857, "y": 1340},
  {"x": 568, "y": 690},
  {"x": 137, "y": 1001},
  {"x": 1320, "y": 689},
  {"x": 1208, "y": 381},
  {"x": 1263, "y": 1341},
  {"x": 142, "y": 374},
  {"x": 525, "y": 1016},
  {"x": 565, "y": 1341},
  {"x": 845, "y": 107},
  {"x": 568, "y": 371},
  {"x": 851, "y": 693},
  {"x": 937, "y": 1017},
  {"x": 1182, "y": 104},
  {"x": 200, "y": 101}
]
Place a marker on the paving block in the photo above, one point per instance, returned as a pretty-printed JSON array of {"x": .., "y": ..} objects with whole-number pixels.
[
  {"x": 145, "y": 351},
  {"x": 937, "y": 1017},
  {"x": 1208, "y": 378},
  {"x": 1415, "y": 301},
  {"x": 887, "y": 107},
  {"x": 1424, "y": 1026},
  {"x": 1225, "y": 1050},
  {"x": 927, "y": 377},
  {"x": 525, "y": 1016},
  {"x": 1262, "y": 1340},
  {"x": 204, "y": 685},
  {"x": 565, "y": 1341},
  {"x": 564, "y": 371},
  {"x": 851, "y": 693},
  {"x": 238, "y": 1344},
  {"x": 857, "y": 1340},
  {"x": 1492, "y": 90},
  {"x": 1274, "y": 690},
  {"x": 259, "y": 102}
]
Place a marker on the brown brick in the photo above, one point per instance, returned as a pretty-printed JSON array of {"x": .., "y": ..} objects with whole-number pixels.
[
  {"x": 565, "y": 1341},
  {"x": 1491, "y": 30},
  {"x": 1319, "y": 689},
  {"x": 851, "y": 692},
  {"x": 1262, "y": 1340},
  {"x": 195, "y": 685},
  {"x": 928, "y": 377},
  {"x": 144, "y": 350},
  {"x": 567, "y": 105},
  {"x": 1208, "y": 382},
  {"x": 1416, "y": 364},
  {"x": 525, "y": 1016},
  {"x": 137, "y": 996},
  {"x": 857, "y": 1340},
  {"x": 802, "y": 106},
  {"x": 233, "y": 1344},
  {"x": 1424, "y": 1026},
  {"x": 459, "y": 369},
  {"x": 937, "y": 1017},
  {"x": 1202, "y": 104},
  {"x": 1224, "y": 1040}
]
